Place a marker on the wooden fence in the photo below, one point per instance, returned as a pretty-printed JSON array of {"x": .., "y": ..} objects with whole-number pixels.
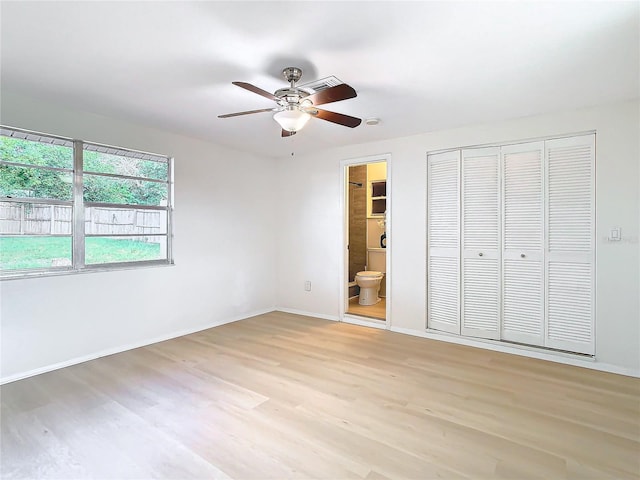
[{"x": 37, "y": 219}]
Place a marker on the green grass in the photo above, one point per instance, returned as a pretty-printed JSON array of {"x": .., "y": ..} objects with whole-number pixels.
[
  {"x": 38, "y": 252},
  {"x": 32, "y": 252}
]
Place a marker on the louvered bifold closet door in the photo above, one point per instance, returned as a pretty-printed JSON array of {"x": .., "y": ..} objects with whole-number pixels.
[
  {"x": 443, "y": 237},
  {"x": 523, "y": 244},
  {"x": 570, "y": 243},
  {"x": 480, "y": 312}
]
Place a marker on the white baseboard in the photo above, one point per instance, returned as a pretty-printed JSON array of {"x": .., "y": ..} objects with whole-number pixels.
[
  {"x": 516, "y": 350},
  {"x": 333, "y": 318},
  {"x": 531, "y": 352},
  {"x": 130, "y": 346}
]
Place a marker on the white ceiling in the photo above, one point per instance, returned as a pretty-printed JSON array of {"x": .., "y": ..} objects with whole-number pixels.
[{"x": 418, "y": 66}]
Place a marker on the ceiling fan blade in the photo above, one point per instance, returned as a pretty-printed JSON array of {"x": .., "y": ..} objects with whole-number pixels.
[
  {"x": 254, "y": 89},
  {"x": 286, "y": 133},
  {"x": 247, "y": 112},
  {"x": 339, "y": 118},
  {"x": 332, "y": 94}
]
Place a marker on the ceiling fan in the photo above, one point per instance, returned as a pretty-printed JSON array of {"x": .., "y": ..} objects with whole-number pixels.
[{"x": 296, "y": 106}]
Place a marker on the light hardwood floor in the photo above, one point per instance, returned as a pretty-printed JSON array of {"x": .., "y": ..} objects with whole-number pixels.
[
  {"x": 285, "y": 396},
  {"x": 378, "y": 311}
]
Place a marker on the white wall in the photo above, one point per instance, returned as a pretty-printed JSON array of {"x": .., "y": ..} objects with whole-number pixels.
[
  {"x": 310, "y": 221},
  {"x": 229, "y": 197},
  {"x": 224, "y": 244}
]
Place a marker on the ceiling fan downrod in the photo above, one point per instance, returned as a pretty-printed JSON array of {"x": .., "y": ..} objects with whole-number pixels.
[{"x": 292, "y": 75}]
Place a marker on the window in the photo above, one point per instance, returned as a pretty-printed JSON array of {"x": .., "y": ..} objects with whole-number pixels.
[{"x": 73, "y": 206}]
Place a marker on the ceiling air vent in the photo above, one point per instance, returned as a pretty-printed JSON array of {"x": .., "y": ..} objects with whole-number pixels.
[{"x": 321, "y": 84}]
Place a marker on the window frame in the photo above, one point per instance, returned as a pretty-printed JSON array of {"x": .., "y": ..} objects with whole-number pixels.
[{"x": 79, "y": 206}]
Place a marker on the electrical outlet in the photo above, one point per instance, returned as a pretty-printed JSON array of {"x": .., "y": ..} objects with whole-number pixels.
[
  {"x": 307, "y": 286},
  {"x": 615, "y": 235}
]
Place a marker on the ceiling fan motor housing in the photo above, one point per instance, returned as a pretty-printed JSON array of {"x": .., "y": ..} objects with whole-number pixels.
[{"x": 289, "y": 96}]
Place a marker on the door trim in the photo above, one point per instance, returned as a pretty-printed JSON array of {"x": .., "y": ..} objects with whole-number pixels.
[{"x": 344, "y": 264}]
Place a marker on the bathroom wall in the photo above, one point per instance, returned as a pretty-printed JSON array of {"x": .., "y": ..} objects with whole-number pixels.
[
  {"x": 357, "y": 220},
  {"x": 303, "y": 256},
  {"x": 375, "y": 226},
  {"x": 374, "y": 231},
  {"x": 375, "y": 171}
]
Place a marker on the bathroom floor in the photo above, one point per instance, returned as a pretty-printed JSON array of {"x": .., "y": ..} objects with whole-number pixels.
[{"x": 378, "y": 311}]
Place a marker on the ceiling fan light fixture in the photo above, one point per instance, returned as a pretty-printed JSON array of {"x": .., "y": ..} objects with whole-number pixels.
[
  {"x": 292, "y": 119},
  {"x": 296, "y": 105}
]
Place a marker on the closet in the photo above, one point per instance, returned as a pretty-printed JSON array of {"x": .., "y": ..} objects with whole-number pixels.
[{"x": 510, "y": 233}]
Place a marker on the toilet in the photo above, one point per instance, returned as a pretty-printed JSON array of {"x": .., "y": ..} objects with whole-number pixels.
[{"x": 369, "y": 283}]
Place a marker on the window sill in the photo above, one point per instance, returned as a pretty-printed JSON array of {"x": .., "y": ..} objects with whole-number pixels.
[{"x": 93, "y": 269}]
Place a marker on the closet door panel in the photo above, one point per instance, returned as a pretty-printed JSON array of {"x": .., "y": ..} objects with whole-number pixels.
[
  {"x": 523, "y": 200},
  {"x": 523, "y": 304},
  {"x": 443, "y": 309},
  {"x": 443, "y": 239},
  {"x": 569, "y": 306},
  {"x": 480, "y": 313},
  {"x": 523, "y": 243},
  {"x": 570, "y": 243},
  {"x": 481, "y": 289}
]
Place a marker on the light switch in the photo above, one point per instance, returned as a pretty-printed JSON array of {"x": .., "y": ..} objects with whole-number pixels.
[{"x": 615, "y": 234}]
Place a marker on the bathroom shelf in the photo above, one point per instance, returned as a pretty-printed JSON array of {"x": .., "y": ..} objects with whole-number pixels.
[
  {"x": 379, "y": 189},
  {"x": 378, "y": 206},
  {"x": 378, "y": 198}
]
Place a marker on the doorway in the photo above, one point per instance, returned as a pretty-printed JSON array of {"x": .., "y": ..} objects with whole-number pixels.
[{"x": 365, "y": 278}]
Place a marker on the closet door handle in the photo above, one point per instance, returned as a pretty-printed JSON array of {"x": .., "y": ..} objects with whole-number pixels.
[
  {"x": 480, "y": 254},
  {"x": 522, "y": 255}
]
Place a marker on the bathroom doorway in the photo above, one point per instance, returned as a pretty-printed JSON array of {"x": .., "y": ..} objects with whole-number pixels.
[{"x": 366, "y": 232}]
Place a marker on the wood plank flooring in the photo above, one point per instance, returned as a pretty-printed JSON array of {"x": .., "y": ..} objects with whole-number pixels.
[
  {"x": 378, "y": 311},
  {"x": 285, "y": 396}
]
